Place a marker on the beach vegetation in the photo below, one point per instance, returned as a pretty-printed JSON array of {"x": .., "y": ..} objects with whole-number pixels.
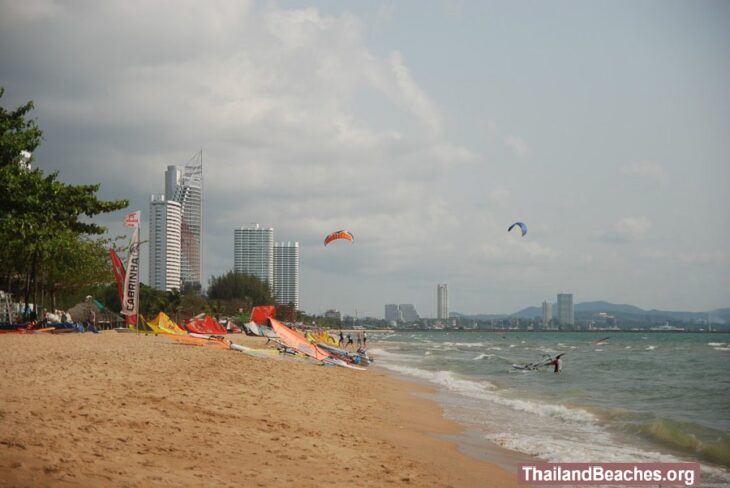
[
  {"x": 49, "y": 244},
  {"x": 239, "y": 291}
]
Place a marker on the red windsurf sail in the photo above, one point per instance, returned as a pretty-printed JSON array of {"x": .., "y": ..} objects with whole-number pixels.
[
  {"x": 260, "y": 313},
  {"x": 207, "y": 325}
]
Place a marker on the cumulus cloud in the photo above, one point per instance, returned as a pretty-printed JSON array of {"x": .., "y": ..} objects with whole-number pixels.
[
  {"x": 627, "y": 229},
  {"x": 518, "y": 146},
  {"x": 275, "y": 98},
  {"x": 499, "y": 196},
  {"x": 649, "y": 170}
]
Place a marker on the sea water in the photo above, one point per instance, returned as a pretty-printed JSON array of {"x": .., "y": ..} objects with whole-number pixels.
[{"x": 636, "y": 397}]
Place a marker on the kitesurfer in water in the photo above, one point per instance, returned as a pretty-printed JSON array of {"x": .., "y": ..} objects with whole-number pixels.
[{"x": 558, "y": 364}]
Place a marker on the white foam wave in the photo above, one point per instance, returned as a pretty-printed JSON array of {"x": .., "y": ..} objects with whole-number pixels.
[
  {"x": 481, "y": 391},
  {"x": 464, "y": 344},
  {"x": 721, "y": 348},
  {"x": 716, "y": 344},
  {"x": 650, "y": 348},
  {"x": 560, "y": 449},
  {"x": 444, "y": 378},
  {"x": 484, "y": 356},
  {"x": 602, "y": 446},
  {"x": 389, "y": 354}
]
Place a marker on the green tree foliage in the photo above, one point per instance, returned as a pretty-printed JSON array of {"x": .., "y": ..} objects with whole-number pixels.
[
  {"x": 76, "y": 262},
  {"x": 40, "y": 216},
  {"x": 239, "y": 291}
]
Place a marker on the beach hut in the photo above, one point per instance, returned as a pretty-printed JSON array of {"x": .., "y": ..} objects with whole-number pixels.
[{"x": 92, "y": 310}]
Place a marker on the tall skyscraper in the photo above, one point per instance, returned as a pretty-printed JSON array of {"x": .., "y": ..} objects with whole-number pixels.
[
  {"x": 392, "y": 313},
  {"x": 253, "y": 252},
  {"x": 165, "y": 245},
  {"x": 185, "y": 186},
  {"x": 442, "y": 302},
  {"x": 408, "y": 312},
  {"x": 405, "y": 312},
  {"x": 566, "y": 312},
  {"x": 286, "y": 273},
  {"x": 547, "y": 313}
]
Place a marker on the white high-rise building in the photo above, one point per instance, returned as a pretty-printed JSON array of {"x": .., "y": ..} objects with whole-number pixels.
[
  {"x": 566, "y": 312},
  {"x": 286, "y": 273},
  {"x": 253, "y": 252},
  {"x": 165, "y": 243},
  {"x": 442, "y": 302},
  {"x": 392, "y": 313},
  {"x": 408, "y": 312},
  {"x": 185, "y": 186},
  {"x": 547, "y": 313}
]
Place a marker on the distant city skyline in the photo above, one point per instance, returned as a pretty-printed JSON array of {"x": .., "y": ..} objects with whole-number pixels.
[{"x": 600, "y": 125}]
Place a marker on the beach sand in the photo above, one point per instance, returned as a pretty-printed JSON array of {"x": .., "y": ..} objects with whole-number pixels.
[{"x": 124, "y": 410}]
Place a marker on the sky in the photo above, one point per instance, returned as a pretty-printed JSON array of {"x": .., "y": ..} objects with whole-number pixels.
[{"x": 425, "y": 128}]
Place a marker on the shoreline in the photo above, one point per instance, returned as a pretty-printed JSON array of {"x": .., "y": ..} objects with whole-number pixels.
[{"x": 128, "y": 410}]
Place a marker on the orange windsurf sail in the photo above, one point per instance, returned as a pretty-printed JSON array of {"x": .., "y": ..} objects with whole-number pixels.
[{"x": 297, "y": 341}]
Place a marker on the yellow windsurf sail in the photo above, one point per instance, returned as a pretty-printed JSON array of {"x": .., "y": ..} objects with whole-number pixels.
[{"x": 165, "y": 325}]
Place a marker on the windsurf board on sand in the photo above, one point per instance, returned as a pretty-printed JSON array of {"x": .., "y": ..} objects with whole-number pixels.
[{"x": 341, "y": 363}]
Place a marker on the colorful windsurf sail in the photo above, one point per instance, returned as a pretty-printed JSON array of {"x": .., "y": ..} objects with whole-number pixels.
[{"x": 297, "y": 341}]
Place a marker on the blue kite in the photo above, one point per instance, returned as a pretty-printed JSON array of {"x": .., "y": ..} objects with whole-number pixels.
[{"x": 522, "y": 227}]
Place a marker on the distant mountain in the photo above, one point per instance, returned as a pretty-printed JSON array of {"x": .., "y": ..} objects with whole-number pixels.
[
  {"x": 480, "y": 316},
  {"x": 624, "y": 312},
  {"x": 720, "y": 316},
  {"x": 601, "y": 306},
  {"x": 529, "y": 313}
]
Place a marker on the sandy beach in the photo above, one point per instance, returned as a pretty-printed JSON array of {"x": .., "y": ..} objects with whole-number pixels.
[{"x": 115, "y": 409}]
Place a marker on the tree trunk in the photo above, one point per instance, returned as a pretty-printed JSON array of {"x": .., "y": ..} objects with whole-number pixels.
[{"x": 31, "y": 280}]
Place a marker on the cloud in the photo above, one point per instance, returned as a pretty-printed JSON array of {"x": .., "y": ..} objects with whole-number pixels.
[
  {"x": 517, "y": 145},
  {"x": 692, "y": 258},
  {"x": 499, "y": 196},
  {"x": 412, "y": 96},
  {"x": 628, "y": 229},
  {"x": 649, "y": 170},
  {"x": 274, "y": 96}
]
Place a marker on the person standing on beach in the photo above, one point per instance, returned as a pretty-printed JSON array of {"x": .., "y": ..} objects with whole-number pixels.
[
  {"x": 349, "y": 341},
  {"x": 342, "y": 339},
  {"x": 364, "y": 339},
  {"x": 359, "y": 340}
]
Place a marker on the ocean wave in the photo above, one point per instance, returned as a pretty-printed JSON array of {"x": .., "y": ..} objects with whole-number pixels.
[
  {"x": 716, "y": 344},
  {"x": 389, "y": 354},
  {"x": 444, "y": 378},
  {"x": 706, "y": 444},
  {"x": 559, "y": 449},
  {"x": 602, "y": 447},
  {"x": 464, "y": 344},
  {"x": 482, "y": 391},
  {"x": 484, "y": 356}
]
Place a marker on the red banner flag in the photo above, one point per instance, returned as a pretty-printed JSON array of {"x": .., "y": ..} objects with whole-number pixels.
[{"x": 119, "y": 274}]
